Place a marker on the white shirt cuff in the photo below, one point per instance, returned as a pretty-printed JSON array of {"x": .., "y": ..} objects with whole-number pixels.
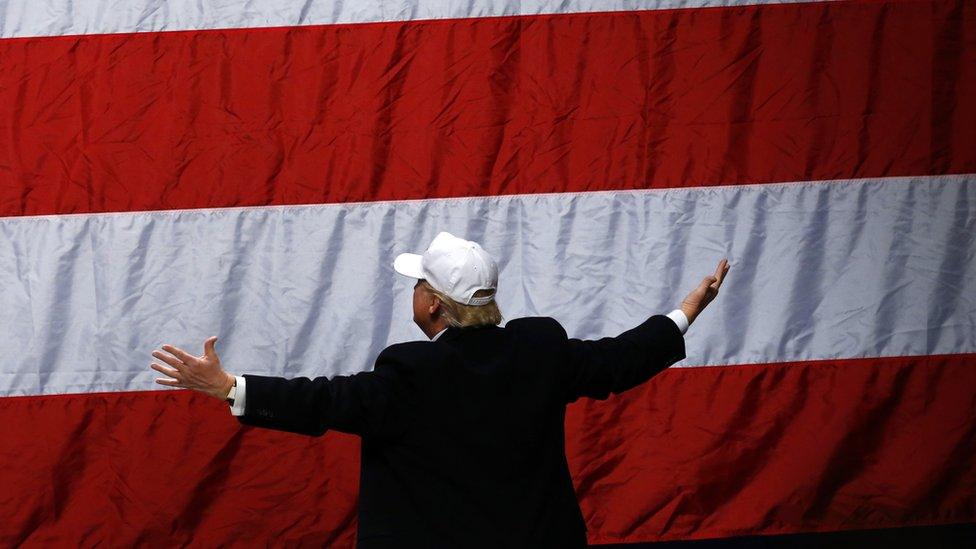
[
  {"x": 679, "y": 319},
  {"x": 237, "y": 409}
]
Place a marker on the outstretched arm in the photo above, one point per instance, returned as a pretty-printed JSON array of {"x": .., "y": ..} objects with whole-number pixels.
[
  {"x": 614, "y": 364},
  {"x": 352, "y": 404},
  {"x": 358, "y": 404}
]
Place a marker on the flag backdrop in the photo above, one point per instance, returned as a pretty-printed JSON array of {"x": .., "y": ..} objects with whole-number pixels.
[{"x": 175, "y": 170}]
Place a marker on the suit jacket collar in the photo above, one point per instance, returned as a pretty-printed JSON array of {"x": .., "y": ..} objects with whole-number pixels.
[
  {"x": 452, "y": 333},
  {"x": 449, "y": 334}
]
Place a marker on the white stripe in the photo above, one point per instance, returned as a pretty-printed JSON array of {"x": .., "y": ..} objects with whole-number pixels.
[
  {"x": 820, "y": 270},
  {"x": 23, "y": 18}
]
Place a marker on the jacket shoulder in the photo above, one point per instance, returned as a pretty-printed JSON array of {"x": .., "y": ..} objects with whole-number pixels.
[
  {"x": 404, "y": 355},
  {"x": 542, "y": 325}
]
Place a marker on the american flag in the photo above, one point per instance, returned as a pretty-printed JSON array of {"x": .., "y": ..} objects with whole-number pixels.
[{"x": 171, "y": 170}]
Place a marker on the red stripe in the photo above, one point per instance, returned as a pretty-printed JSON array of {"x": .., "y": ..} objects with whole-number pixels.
[
  {"x": 487, "y": 106},
  {"x": 167, "y": 469},
  {"x": 696, "y": 453},
  {"x": 803, "y": 447}
]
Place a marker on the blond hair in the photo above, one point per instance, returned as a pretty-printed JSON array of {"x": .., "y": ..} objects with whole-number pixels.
[{"x": 460, "y": 315}]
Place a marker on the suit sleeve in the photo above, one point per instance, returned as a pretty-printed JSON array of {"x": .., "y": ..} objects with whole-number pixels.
[
  {"x": 358, "y": 404},
  {"x": 595, "y": 369}
]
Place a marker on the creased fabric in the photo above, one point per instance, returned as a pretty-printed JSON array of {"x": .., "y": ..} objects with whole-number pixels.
[
  {"x": 28, "y": 18},
  {"x": 175, "y": 170},
  {"x": 824, "y": 270},
  {"x": 486, "y": 107}
]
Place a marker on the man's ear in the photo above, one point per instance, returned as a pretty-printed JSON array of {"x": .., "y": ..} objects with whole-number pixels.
[{"x": 435, "y": 306}]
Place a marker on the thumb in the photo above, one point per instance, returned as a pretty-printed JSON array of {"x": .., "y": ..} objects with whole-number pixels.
[
  {"x": 708, "y": 280},
  {"x": 208, "y": 347}
]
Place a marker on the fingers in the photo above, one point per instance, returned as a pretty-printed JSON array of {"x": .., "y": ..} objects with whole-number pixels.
[
  {"x": 172, "y": 361},
  {"x": 178, "y": 353},
  {"x": 171, "y": 372},
  {"x": 706, "y": 283},
  {"x": 719, "y": 276},
  {"x": 208, "y": 347},
  {"x": 721, "y": 270},
  {"x": 169, "y": 382}
]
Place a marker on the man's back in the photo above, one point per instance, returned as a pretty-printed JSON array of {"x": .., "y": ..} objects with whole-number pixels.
[
  {"x": 463, "y": 441},
  {"x": 481, "y": 460}
]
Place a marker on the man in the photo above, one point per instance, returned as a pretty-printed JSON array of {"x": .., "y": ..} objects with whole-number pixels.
[{"x": 463, "y": 435}]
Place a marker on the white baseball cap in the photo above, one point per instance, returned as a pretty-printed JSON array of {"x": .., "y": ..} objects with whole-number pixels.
[{"x": 453, "y": 266}]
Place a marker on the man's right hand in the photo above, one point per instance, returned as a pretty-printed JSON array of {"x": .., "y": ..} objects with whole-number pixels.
[
  {"x": 199, "y": 373},
  {"x": 700, "y": 297}
]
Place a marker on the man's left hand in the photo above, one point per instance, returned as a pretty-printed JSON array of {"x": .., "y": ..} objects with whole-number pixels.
[{"x": 700, "y": 297}]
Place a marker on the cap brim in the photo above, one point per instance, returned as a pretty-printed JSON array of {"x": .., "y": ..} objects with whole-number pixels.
[{"x": 409, "y": 265}]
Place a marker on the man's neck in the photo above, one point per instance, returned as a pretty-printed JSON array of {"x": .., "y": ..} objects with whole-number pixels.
[{"x": 434, "y": 329}]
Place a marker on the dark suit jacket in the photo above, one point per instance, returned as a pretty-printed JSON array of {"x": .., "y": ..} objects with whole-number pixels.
[{"x": 463, "y": 437}]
